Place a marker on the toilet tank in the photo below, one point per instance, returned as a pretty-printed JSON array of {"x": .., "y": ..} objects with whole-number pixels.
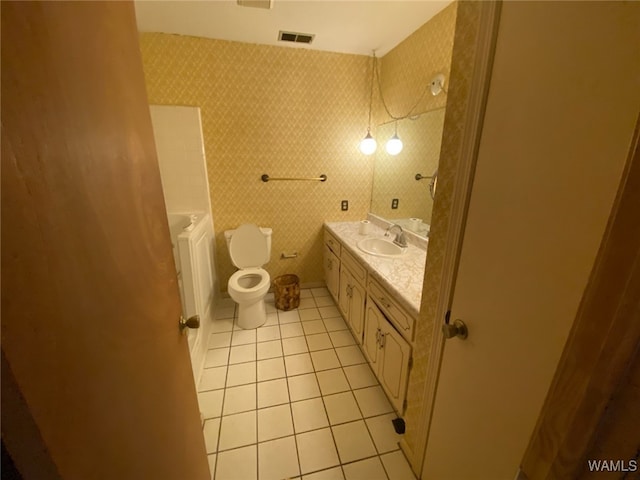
[{"x": 265, "y": 231}]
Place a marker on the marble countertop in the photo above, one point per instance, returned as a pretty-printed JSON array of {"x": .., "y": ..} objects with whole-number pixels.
[{"x": 402, "y": 276}]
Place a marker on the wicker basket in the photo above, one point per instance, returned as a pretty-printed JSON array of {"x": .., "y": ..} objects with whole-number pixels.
[{"x": 286, "y": 292}]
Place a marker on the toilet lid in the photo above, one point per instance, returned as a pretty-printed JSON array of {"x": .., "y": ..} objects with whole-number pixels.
[{"x": 248, "y": 247}]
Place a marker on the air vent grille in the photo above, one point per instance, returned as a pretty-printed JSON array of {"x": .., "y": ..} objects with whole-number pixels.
[{"x": 295, "y": 37}]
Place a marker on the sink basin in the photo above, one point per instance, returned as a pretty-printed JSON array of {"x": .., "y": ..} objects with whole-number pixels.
[{"x": 380, "y": 247}]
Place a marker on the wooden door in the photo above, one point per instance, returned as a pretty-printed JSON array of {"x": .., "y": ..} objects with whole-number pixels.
[
  {"x": 90, "y": 302},
  {"x": 332, "y": 272},
  {"x": 344, "y": 299},
  {"x": 549, "y": 164}
]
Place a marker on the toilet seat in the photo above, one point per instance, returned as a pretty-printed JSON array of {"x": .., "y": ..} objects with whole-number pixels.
[{"x": 235, "y": 282}]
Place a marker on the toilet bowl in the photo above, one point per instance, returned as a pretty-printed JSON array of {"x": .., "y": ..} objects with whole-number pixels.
[{"x": 249, "y": 248}]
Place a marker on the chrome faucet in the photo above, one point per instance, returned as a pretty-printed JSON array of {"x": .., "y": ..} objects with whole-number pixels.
[{"x": 400, "y": 239}]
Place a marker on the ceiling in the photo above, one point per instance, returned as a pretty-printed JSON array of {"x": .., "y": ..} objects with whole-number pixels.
[{"x": 357, "y": 27}]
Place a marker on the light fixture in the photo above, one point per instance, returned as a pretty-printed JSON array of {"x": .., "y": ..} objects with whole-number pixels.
[
  {"x": 394, "y": 145},
  {"x": 368, "y": 144}
]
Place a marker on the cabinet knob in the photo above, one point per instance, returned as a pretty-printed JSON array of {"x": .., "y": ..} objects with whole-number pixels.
[{"x": 458, "y": 329}]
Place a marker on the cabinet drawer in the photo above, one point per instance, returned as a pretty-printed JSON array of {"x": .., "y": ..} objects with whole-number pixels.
[
  {"x": 358, "y": 272},
  {"x": 394, "y": 312},
  {"x": 332, "y": 242}
]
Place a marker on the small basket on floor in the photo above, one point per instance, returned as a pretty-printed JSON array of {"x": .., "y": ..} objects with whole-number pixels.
[{"x": 286, "y": 292}]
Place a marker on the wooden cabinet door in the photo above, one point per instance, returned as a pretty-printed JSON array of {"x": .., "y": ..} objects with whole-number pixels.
[
  {"x": 356, "y": 310},
  {"x": 344, "y": 299},
  {"x": 394, "y": 365},
  {"x": 373, "y": 319},
  {"x": 332, "y": 272}
]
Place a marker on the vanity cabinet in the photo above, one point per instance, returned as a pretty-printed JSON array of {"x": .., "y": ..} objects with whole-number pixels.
[
  {"x": 388, "y": 353},
  {"x": 352, "y": 296},
  {"x": 332, "y": 249}
]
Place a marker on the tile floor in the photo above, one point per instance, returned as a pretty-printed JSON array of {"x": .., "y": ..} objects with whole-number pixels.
[{"x": 295, "y": 399}]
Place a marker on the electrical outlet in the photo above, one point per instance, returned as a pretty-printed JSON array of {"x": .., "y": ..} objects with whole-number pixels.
[
  {"x": 344, "y": 205},
  {"x": 394, "y": 203}
]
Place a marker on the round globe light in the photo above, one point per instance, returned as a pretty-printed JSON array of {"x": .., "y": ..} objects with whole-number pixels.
[
  {"x": 368, "y": 145},
  {"x": 394, "y": 145}
]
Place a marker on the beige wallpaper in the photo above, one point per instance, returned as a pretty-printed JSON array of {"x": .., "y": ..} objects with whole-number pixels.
[
  {"x": 466, "y": 30},
  {"x": 276, "y": 110},
  {"x": 405, "y": 76}
]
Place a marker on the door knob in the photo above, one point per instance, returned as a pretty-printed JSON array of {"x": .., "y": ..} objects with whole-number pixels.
[
  {"x": 191, "y": 322},
  {"x": 458, "y": 329}
]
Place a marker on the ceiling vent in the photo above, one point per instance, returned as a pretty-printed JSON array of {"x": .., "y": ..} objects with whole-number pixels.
[
  {"x": 295, "y": 37},
  {"x": 268, "y": 4}
]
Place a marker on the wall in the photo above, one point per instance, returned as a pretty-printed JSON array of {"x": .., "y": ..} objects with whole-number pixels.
[
  {"x": 178, "y": 135},
  {"x": 276, "y": 110}
]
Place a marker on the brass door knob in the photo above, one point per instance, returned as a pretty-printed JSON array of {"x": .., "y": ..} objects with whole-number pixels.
[
  {"x": 458, "y": 329},
  {"x": 191, "y": 322}
]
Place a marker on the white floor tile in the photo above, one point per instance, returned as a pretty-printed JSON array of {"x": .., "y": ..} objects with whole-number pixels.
[
  {"x": 306, "y": 303},
  {"x": 312, "y": 327},
  {"x": 242, "y": 337},
  {"x": 341, "y": 408},
  {"x": 291, "y": 330},
  {"x": 384, "y": 435},
  {"x": 270, "y": 308},
  {"x": 298, "y": 364},
  {"x": 332, "y": 381},
  {"x": 226, "y": 302},
  {"x": 211, "y": 458},
  {"x": 309, "y": 415},
  {"x": 272, "y": 319},
  {"x": 350, "y": 355},
  {"x": 210, "y": 403},
  {"x": 294, "y": 345},
  {"x": 224, "y": 312},
  {"x": 305, "y": 293},
  {"x": 360, "y": 376},
  {"x": 278, "y": 459},
  {"x": 222, "y": 325},
  {"x": 291, "y": 316},
  {"x": 320, "y": 292},
  {"x": 335, "y": 324},
  {"x": 353, "y": 441},
  {"x": 303, "y": 387},
  {"x": 266, "y": 334},
  {"x": 239, "y": 399},
  {"x": 212, "y": 378},
  {"x": 372, "y": 401},
  {"x": 334, "y": 473},
  {"x": 219, "y": 340},
  {"x": 241, "y": 374},
  {"x": 316, "y": 450},
  {"x": 342, "y": 338},
  {"x": 210, "y": 431},
  {"x": 310, "y": 314},
  {"x": 238, "y": 430},
  {"x": 242, "y": 354},
  {"x": 325, "y": 301},
  {"x": 325, "y": 360},
  {"x": 321, "y": 341},
  {"x": 273, "y": 392},
  {"x": 216, "y": 357},
  {"x": 329, "y": 312},
  {"x": 269, "y": 349},
  {"x": 368, "y": 469},
  {"x": 397, "y": 466},
  {"x": 238, "y": 464},
  {"x": 270, "y": 369},
  {"x": 274, "y": 422}
]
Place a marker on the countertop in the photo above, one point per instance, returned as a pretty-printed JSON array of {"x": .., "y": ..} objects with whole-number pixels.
[{"x": 402, "y": 276}]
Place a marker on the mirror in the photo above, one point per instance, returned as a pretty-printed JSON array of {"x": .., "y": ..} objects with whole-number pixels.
[{"x": 410, "y": 176}]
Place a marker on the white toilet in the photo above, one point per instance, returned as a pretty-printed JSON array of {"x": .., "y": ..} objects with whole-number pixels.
[{"x": 249, "y": 248}]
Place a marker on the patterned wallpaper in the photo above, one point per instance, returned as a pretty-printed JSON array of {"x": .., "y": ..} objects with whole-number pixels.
[
  {"x": 467, "y": 21},
  {"x": 286, "y": 112}
]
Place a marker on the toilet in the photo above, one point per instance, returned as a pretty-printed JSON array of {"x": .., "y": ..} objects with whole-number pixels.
[{"x": 250, "y": 248}]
